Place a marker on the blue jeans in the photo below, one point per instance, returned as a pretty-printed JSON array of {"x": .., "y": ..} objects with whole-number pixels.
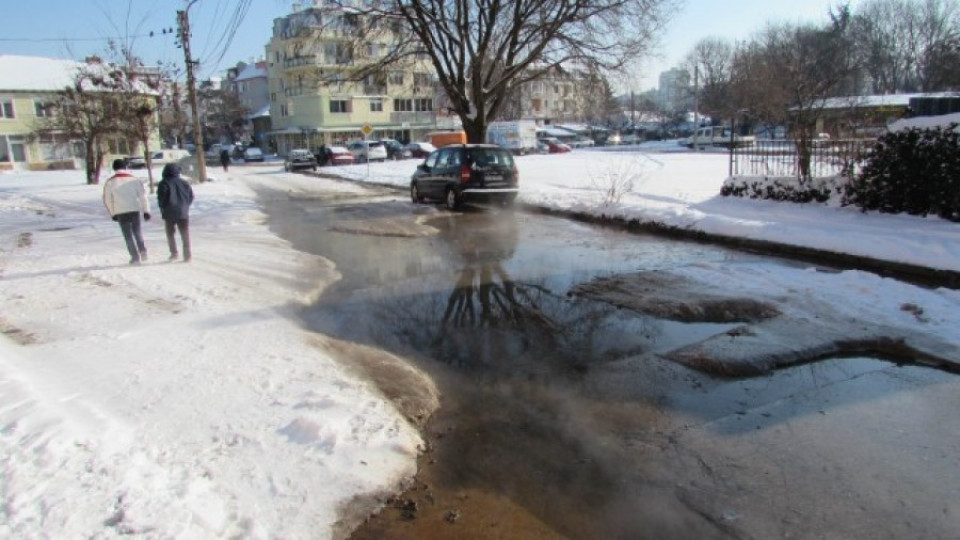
[{"x": 130, "y": 227}]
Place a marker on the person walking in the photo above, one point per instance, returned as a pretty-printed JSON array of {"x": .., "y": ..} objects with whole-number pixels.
[
  {"x": 225, "y": 159},
  {"x": 125, "y": 199},
  {"x": 174, "y": 195}
]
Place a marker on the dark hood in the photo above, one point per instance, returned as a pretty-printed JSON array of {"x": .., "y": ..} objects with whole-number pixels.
[{"x": 171, "y": 170}]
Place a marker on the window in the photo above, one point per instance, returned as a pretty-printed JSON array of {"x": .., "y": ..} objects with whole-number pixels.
[
  {"x": 340, "y": 106},
  {"x": 284, "y": 110},
  {"x": 423, "y": 104},
  {"x": 376, "y": 105},
  {"x": 42, "y": 110},
  {"x": 403, "y": 105},
  {"x": 421, "y": 79},
  {"x": 6, "y": 108},
  {"x": 396, "y": 77}
]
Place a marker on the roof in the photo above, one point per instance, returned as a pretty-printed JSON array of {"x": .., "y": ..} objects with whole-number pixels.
[
  {"x": 886, "y": 100},
  {"x": 36, "y": 73},
  {"x": 42, "y": 74},
  {"x": 262, "y": 112},
  {"x": 252, "y": 71},
  {"x": 926, "y": 122},
  {"x": 556, "y": 132}
]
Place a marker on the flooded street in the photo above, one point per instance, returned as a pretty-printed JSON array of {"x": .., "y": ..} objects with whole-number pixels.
[{"x": 559, "y": 418}]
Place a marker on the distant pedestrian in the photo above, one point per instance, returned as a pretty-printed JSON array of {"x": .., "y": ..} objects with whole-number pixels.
[
  {"x": 174, "y": 195},
  {"x": 125, "y": 199},
  {"x": 225, "y": 158}
]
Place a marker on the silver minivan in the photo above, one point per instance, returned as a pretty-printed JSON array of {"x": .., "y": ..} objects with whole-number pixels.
[{"x": 368, "y": 151}]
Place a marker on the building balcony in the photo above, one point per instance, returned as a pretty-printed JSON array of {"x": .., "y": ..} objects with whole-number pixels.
[
  {"x": 297, "y": 61},
  {"x": 421, "y": 117}
]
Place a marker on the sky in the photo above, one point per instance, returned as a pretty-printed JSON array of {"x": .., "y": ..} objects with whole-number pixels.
[
  {"x": 176, "y": 400},
  {"x": 71, "y": 29}
]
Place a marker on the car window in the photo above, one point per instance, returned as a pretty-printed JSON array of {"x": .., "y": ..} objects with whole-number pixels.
[
  {"x": 432, "y": 160},
  {"x": 491, "y": 156}
]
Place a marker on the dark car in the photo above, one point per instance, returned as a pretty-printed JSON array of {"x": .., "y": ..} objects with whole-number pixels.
[
  {"x": 462, "y": 173},
  {"x": 299, "y": 158},
  {"x": 395, "y": 149},
  {"x": 420, "y": 150}
]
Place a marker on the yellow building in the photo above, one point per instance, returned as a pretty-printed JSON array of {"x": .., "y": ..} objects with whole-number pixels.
[
  {"x": 311, "y": 56},
  {"x": 28, "y": 85}
]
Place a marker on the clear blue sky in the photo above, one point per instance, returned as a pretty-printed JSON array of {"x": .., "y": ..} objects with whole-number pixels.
[{"x": 77, "y": 28}]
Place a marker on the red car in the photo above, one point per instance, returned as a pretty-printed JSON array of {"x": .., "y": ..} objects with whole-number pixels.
[
  {"x": 554, "y": 146},
  {"x": 339, "y": 155}
]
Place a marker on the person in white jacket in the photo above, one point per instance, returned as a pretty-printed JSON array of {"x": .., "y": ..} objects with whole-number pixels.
[{"x": 125, "y": 199}]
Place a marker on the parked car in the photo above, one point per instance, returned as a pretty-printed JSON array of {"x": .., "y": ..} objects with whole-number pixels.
[
  {"x": 395, "y": 149},
  {"x": 252, "y": 153},
  {"x": 554, "y": 146},
  {"x": 157, "y": 157},
  {"x": 420, "y": 150},
  {"x": 368, "y": 151},
  {"x": 338, "y": 155},
  {"x": 299, "y": 158},
  {"x": 466, "y": 173}
]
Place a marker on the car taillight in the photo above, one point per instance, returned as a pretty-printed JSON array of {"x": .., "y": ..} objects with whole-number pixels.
[
  {"x": 464, "y": 174},
  {"x": 516, "y": 175}
]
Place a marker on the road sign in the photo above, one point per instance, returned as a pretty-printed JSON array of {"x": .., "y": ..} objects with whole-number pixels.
[{"x": 367, "y": 129}]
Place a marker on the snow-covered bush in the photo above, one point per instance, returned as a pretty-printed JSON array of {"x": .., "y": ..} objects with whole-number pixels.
[
  {"x": 916, "y": 171},
  {"x": 786, "y": 189}
]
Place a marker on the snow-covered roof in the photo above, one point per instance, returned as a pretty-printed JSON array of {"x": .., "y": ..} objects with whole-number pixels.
[
  {"x": 886, "y": 100},
  {"x": 36, "y": 73},
  {"x": 926, "y": 122},
  {"x": 556, "y": 132},
  {"x": 261, "y": 112},
  {"x": 252, "y": 71},
  {"x": 42, "y": 74},
  {"x": 575, "y": 128}
]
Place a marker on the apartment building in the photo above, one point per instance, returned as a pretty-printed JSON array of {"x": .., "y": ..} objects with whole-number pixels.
[
  {"x": 311, "y": 59},
  {"x": 250, "y": 83}
]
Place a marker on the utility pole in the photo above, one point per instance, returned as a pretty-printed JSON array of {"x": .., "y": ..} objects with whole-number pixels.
[{"x": 183, "y": 24}]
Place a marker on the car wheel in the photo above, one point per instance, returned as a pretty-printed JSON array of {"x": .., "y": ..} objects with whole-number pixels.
[
  {"x": 452, "y": 201},
  {"x": 415, "y": 194}
]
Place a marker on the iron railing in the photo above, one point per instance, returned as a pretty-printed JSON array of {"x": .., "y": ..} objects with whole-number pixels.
[{"x": 784, "y": 158}]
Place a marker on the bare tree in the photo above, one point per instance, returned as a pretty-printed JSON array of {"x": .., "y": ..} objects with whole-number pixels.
[
  {"x": 481, "y": 50},
  {"x": 789, "y": 71},
  {"x": 904, "y": 44},
  {"x": 88, "y": 110},
  {"x": 223, "y": 114},
  {"x": 711, "y": 63}
]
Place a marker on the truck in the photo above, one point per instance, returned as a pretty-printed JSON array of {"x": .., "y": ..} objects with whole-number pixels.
[
  {"x": 717, "y": 136},
  {"x": 444, "y": 138},
  {"x": 519, "y": 136}
]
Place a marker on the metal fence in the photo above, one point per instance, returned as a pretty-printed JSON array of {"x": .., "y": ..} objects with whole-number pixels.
[{"x": 783, "y": 158}]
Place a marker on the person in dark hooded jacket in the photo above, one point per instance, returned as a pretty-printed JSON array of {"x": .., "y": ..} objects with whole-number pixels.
[{"x": 174, "y": 195}]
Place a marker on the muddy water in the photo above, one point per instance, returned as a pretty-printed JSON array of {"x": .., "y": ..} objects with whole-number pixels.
[{"x": 559, "y": 420}]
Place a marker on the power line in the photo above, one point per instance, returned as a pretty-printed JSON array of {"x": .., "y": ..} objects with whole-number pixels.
[{"x": 114, "y": 38}]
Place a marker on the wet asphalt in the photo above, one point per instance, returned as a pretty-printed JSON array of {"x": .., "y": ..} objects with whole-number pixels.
[{"x": 558, "y": 419}]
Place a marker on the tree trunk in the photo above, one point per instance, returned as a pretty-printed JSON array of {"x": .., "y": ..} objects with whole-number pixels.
[{"x": 91, "y": 160}]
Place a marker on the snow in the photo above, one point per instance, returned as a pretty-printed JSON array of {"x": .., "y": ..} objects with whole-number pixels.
[
  {"x": 925, "y": 122},
  {"x": 180, "y": 400},
  {"x": 36, "y": 72}
]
